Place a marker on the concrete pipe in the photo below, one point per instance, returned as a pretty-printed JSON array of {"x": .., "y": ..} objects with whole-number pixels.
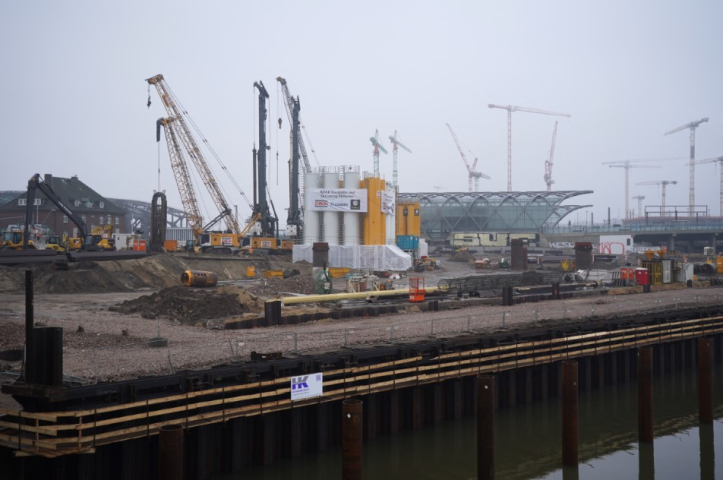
[{"x": 197, "y": 278}]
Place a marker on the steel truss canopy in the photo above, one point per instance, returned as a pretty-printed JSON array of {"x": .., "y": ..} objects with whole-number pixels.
[{"x": 444, "y": 213}]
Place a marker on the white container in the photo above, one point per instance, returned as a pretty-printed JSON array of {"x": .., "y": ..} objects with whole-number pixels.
[
  {"x": 331, "y": 219},
  {"x": 311, "y": 218},
  {"x": 352, "y": 228}
]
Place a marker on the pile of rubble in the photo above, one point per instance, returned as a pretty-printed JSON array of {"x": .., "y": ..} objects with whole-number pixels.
[
  {"x": 275, "y": 286},
  {"x": 186, "y": 305}
]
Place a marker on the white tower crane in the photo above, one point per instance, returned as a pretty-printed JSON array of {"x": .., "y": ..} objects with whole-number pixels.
[
  {"x": 472, "y": 173},
  {"x": 510, "y": 109},
  {"x": 640, "y": 199},
  {"x": 548, "y": 164},
  {"x": 626, "y": 164},
  {"x": 718, "y": 160},
  {"x": 396, "y": 144},
  {"x": 662, "y": 184},
  {"x": 691, "y": 188}
]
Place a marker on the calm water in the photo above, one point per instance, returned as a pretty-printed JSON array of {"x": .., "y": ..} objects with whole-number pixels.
[{"x": 528, "y": 442}]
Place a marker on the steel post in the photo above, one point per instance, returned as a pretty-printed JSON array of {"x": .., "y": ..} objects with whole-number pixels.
[
  {"x": 705, "y": 380},
  {"x": 351, "y": 448},
  {"x": 485, "y": 427},
  {"x": 170, "y": 452},
  {"x": 569, "y": 414},
  {"x": 645, "y": 394}
]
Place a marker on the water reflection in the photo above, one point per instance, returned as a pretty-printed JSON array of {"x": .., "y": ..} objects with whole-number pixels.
[{"x": 529, "y": 443}]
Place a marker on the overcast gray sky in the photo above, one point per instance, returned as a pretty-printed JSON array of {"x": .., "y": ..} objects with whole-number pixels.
[{"x": 73, "y": 95}]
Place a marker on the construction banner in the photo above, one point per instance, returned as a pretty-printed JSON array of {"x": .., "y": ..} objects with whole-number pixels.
[
  {"x": 387, "y": 203},
  {"x": 337, "y": 200}
]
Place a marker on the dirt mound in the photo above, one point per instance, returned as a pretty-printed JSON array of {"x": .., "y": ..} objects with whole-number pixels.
[
  {"x": 187, "y": 305},
  {"x": 276, "y": 286},
  {"x": 463, "y": 257}
]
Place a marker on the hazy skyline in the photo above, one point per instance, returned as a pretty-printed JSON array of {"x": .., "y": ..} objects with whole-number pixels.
[{"x": 73, "y": 94}]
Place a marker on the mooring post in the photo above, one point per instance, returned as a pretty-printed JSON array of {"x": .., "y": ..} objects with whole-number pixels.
[
  {"x": 705, "y": 380},
  {"x": 170, "y": 452},
  {"x": 485, "y": 427},
  {"x": 351, "y": 438},
  {"x": 569, "y": 414},
  {"x": 707, "y": 452},
  {"x": 645, "y": 394}
]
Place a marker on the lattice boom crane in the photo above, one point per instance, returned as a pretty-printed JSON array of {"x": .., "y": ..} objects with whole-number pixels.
[{"x": 177, "y": 122}]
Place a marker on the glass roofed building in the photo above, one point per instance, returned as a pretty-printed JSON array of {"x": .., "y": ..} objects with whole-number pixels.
[{"x": 444, "y": 213}]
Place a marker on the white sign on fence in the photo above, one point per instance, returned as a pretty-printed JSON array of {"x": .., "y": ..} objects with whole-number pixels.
[
  {"x": 337, "y": 200},
  {"x": 307, "y": 386}
]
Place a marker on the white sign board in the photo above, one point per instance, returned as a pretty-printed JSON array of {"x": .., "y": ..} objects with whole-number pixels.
[
  {"x": 307, "y": 386},
  {"x": 388, "y": 203},
  {"x": 337, "y": 200}
]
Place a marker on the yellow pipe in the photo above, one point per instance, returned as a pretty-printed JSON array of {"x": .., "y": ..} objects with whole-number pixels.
[{"x": 347, "y": 296}]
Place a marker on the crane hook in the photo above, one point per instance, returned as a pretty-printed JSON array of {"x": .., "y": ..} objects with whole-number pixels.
[
  {"x": 149, "y": 102},
  {"x": 280, "y": 121}
]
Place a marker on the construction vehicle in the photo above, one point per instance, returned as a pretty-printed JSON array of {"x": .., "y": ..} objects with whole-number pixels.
[
  {"x": 85, "y": 241},
  {"x": 13, "y": 239},
  {"x": 54, "y": 242},
  {"x": 181, "y": 143},
  {"x": 101, "y": 239},
  {"x": 425, "y": 263}
]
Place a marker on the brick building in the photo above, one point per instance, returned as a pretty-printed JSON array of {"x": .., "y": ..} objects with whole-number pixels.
[{"x": 82, "y": 200}]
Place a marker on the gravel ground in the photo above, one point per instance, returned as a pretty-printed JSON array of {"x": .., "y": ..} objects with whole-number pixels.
[{"x": 113, "y": 346}]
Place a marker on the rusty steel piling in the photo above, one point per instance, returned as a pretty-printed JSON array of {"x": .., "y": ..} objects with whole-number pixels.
[
  {"x": 569, "y": 414},
  {"x": 485, "y": 427},
  {"x": 705, "y": 380},
  {"x": 170, "y": 452},
  {"x": 351, "y": 448},
  {"x": 645, "y": 394}
]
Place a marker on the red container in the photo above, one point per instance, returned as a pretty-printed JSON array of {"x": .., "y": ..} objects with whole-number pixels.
[
  {"x": 642, "y": 276},
  {"x": 626, "y": 273}
]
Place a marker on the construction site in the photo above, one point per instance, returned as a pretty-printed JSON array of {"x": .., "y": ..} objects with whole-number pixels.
[{"x": 138, "y": 340}]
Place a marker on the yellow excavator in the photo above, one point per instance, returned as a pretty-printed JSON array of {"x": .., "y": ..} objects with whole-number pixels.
[{"x": 13, "y": 239}]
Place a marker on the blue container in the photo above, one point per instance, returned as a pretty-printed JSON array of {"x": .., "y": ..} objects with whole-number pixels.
[{"x": 408, "y": 242}]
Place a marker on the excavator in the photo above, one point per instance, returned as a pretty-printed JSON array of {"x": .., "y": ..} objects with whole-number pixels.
[{"x": 89, "y": 242}]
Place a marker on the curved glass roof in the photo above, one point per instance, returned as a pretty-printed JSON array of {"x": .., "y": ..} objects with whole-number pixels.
[{"x": 444, "y": 213}]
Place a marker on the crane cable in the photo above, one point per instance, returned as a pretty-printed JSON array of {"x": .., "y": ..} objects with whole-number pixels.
[{"x": 210, "y": 148}]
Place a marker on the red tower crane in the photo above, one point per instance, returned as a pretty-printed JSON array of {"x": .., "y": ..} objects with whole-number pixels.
[
  {"x": 472, "y": 173},
  {"x": 510, "y": 109},
  {"x": 548, "y": 163}
]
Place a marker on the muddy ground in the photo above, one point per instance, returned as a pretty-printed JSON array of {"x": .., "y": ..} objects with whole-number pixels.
[{"x": 150, "y": 273}]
